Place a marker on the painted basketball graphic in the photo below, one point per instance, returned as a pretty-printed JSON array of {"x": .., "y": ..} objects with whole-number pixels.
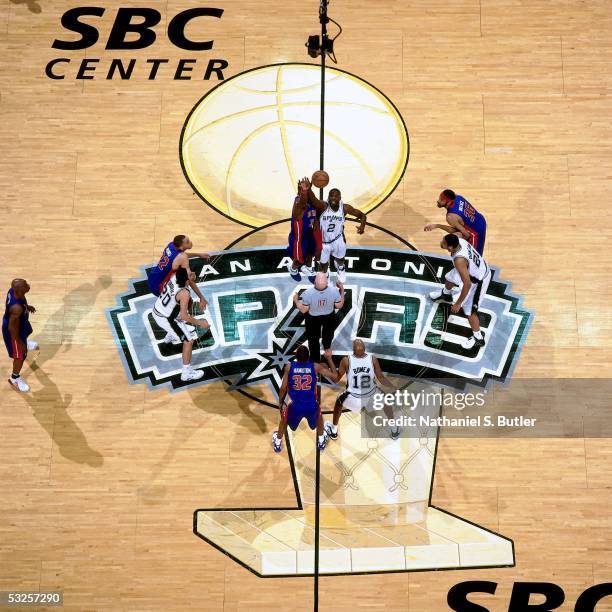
[{"x": 247, "y": 142}]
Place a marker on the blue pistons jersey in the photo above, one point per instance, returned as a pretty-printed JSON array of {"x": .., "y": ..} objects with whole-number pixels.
[
  {"x": 474, "y": 222},
  {"x": 302, "y": 240},
  {"x": 14, "y": 348},
  {"x": 25, "y": 329},
  {"x": 160, "y": 274},
  {"x": 302, "y": 383},
  {"x": 303, "y": 395}
]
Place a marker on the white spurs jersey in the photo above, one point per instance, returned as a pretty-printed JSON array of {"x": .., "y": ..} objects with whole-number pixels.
[
  {"x": 332, "y": 223},
  {"x": 166, "y": 304},
  {"x": 477, "y": 266},
  {"x": 361, "y": 379}
]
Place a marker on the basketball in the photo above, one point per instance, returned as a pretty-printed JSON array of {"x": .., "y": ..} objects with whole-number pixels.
[{"x": 320, "y": 179}]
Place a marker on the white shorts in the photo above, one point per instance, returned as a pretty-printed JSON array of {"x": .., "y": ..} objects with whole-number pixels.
[
  {"x": 336, "y": 249},
  {"x": 184, "y": 331},
  {"x": 477, "y": 291},
  {"x": 356, "y": 403}
]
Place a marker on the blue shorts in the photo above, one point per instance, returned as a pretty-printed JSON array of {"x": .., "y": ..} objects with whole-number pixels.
[
  {"x": 13, "y": 349},
  {"x": 305, "y": 246},
  {"x": 294, "y": 413}
]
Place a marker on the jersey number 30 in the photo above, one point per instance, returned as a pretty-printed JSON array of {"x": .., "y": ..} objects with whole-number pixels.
[{"x": 166, "y": 296}]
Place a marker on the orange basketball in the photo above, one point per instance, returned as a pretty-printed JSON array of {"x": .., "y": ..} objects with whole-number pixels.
[{"x": 320, "y": 178}]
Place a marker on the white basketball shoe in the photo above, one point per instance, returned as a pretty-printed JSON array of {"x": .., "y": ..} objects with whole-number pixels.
[
  {"x": 32, "y": 345},
  {"x": 440, "y": 296},
  {"x": 191, "y": 374},
  {"x": 19, "y": 384},
  {"x": 170, "y": 338}
]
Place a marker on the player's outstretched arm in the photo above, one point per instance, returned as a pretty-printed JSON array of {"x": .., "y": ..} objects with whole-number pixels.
[
  {"x": 319, "y": 205},
  {"x": 445, "y": 228},
  {"x": 330, "y": 361},
  {"x": 457, "y": 226},
  {"x": 283, "y": 390},
  {"x": 342, "y": 369},
  {"x": 380, "y": 377},
  {"x": 461, "y": 264},
  {"x": 200, "y": 255},
  {"x": 183, "y": 300},
  {"x": 325, "y": 371},
  {"x": 203, "y": 302},
  {"x": 182, "y": 260},
  {"x": 351, "y": 210},
  {"x": 301, "y": 201},
  {"x": 338, "y": 304}
]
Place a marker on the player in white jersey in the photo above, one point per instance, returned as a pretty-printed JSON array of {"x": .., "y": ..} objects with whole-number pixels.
[
  {"x": 171, "y": 313},
  {"x": 331, "y": 222},
  {"x": 362, "y": 371},
  {"x": 473, "y": 273}
]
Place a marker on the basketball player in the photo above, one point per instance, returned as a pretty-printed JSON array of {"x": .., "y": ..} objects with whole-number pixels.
[
  {"x": 16, "y": 329},
  {"x": 305, "y": 233},
  {"x": 171, "y": 313},
  {"x": 300, "y": 379},
  {"x": 472, "y": 272},
  {"x": 174, "y": 256},
  {"x": 462, "y": 218},
  {"x": 362, "y": 371},
  {"x": 331, "y": 222}
]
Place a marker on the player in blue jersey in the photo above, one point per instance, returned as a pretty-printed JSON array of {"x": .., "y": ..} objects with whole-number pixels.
[
  {"x": 462, "y": 219},
  {"x": 16, "y": 329},
  {"x": 304, "y": 238},
  {"x": 175, "y": 256},
  {"x": 300, "y": 380}
]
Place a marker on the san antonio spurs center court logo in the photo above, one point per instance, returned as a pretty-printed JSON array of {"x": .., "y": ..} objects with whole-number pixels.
[{"x": 255, "y": 328}]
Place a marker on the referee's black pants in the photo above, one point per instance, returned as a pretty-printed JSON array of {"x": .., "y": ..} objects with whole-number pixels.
[{"x": 320, "y": 327}]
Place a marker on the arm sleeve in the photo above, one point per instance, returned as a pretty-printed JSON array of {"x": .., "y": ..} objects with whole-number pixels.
[{"x": 306, "y": 297}]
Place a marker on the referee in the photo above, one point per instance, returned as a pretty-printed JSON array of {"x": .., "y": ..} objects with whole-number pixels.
[{"x": 319, "y": 304}]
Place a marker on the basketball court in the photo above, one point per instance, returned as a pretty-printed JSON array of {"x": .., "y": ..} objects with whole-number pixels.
[{"x": 126, "y": 488}]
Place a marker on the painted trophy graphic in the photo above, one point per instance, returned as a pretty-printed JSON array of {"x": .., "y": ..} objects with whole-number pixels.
[{"x": 243, "y": 149}]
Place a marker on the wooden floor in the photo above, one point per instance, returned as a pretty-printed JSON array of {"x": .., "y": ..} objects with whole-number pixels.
[{"x": 508, "y": 102}]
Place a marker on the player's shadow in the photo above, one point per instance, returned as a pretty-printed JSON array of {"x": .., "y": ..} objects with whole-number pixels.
[
  {"x": 273, "y": 474},
  {"x": 32, "y": 5},
  {"x": 50, "y": 409},
  {"x": 236, "y": 404},
  {"x": 77, "y": 304},
  {"x": 395, "y": 211},
  {"x": 152, "y": 493}
]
